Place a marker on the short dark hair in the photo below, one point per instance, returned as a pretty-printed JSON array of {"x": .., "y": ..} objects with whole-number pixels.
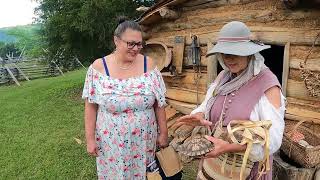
[{"x": 124, "y": 24}]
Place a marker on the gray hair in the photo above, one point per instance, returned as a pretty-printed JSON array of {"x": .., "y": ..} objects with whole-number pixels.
[{"x": 124, "y": 25}]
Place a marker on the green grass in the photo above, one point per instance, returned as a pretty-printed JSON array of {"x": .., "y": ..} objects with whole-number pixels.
[{"x": 38, "y": 124}]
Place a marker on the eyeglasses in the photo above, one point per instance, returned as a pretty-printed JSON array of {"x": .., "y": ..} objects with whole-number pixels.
[{"x": 132, "y": 44}]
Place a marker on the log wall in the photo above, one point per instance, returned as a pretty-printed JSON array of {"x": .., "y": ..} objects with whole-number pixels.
[{"x": 268, "y": 20}]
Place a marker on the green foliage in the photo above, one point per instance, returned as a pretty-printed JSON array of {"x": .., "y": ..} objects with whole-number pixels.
[{"x": 83, "y": 28}]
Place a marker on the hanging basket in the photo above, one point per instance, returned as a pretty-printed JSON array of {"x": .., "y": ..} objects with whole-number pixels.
[
  {"x": 311, "y": 79},
  {"x": 305, "y": 154}
]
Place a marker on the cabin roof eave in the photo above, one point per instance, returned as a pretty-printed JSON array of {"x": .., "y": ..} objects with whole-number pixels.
[{"x": 152, "y": 14}]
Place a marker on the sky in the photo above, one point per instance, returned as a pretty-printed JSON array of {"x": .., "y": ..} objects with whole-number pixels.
[{"x": 16, "y": 12}]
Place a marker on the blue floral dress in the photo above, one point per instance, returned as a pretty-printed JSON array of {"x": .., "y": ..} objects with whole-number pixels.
[{"x": 126, "y": 125}]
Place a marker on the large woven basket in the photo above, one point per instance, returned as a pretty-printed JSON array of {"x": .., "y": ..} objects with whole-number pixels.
[{"x": 305, "y": 156}]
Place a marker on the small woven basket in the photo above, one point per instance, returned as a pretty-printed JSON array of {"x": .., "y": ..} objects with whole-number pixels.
[{"x": 307, "y": 157}]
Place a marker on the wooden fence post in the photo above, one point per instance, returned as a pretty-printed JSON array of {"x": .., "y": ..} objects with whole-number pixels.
[
  {"x": 58, "y": 68},
  {"x": 24, "y": 75},
  {"x": 20, "y": 71},
  {"x": 12, "y": 75},
  {"x": 79, "y": 62}
]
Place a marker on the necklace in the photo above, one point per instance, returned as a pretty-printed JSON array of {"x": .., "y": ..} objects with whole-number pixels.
[{"x": 121, "y": 67}]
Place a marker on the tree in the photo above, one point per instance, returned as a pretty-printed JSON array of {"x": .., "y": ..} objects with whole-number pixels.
[
  {"x": 6, "y": 48},
  {"x": 83, "y": 28}
]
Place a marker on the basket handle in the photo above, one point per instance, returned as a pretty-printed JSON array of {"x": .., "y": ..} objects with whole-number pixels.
[
  {"x": 291, "y": 134},
  {"x": 297, "y": 125}
]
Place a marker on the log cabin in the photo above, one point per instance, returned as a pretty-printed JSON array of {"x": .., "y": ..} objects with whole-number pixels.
[
  {"x": 179, "y": 33},
  {"x": 293, "y": 33}
]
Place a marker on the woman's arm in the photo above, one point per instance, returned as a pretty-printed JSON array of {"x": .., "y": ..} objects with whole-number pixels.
[
  {"x": 271, "y": 106},
  {"x": 90, "y": 126},
  {"x": 160, "y": 113},
  {"x": 162, "y": 123},
  {"x": 274, "y": 97}
]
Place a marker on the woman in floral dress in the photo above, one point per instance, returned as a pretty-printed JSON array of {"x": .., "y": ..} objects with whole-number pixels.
[{"x": 124, "y": 108}]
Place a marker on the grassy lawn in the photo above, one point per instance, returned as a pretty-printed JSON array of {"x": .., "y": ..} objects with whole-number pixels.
[{"x": 38, "y": 124}]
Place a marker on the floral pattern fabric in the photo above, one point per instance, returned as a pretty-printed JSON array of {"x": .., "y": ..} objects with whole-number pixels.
[{"x": 126, "y": 126}]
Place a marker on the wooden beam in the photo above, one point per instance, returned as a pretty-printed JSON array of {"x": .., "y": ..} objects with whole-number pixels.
[
  {"x": 184, "y": 108},
  {"x": 285, "y": 71},
  {"x": 312, "y": 105},
  {"x": 312, "y": 64},
  {"x": 170, "y": 112},
  {"x": 297, "y": 114},
  {"x": 167, "y": 13},
  {"x": 142, "y": 8},
  {"x": 269, "y": 35},
  {"x": 12, "y": 76},
  {"x": 297, "y": 89},
  {"x": 154, "y": 15},
  {"x": 201, "y": 5},
  {"x": 178, "y": 51},
  {"x": 301, "y": 118},
  {"x": 211, "y": 65},
  {"x": 187, "y": 81},
  {"x": 184, "y": 95}
]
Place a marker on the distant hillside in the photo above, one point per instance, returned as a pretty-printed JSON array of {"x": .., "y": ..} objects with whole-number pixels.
[
  {"x": 27, "y": 36},
  {"x": 18, "y": 32},
  {"x": 4, "y": 37}
]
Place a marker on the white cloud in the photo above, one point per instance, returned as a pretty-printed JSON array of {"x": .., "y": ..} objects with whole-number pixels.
[{"x": 16, "y": 12}]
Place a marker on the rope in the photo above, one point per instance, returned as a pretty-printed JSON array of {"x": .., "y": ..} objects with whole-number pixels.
[
  {"x": 248, "y": 129},
  {"x": 309, "y": 52}
]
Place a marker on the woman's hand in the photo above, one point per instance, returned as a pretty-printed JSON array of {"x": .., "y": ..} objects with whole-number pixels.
[
  {"x": 162, "y": 140},
  {"x": 192, "y": 120},
  {"x": 221, "y": 147},
  {"x": 92, "y": 148}
]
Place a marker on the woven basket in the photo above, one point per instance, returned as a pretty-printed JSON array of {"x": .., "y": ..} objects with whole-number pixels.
[{"x": 306, "y": 157}]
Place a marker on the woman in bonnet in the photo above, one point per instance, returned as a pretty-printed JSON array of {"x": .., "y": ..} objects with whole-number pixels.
[{"x": 245, "y": 89}]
